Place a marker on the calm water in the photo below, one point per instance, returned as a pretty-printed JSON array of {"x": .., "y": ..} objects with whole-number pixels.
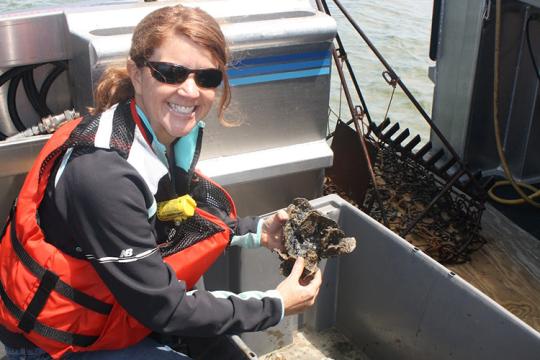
[
  {"x": 401, "y": 32},
  {"x": 399, "y": 29}
]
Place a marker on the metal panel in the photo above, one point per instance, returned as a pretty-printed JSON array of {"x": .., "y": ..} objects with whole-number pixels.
[
  {"x": 273, "y": 114},
  {"x": 520, "y": 87},
  {"x": 285, "y": 45},
  {"x": 16, "y": 158},
  {"x": 463, "y": 102},
  {"x": 96, "y": 36},
  {"x": 480, "y": 150},
  {"x": 459, "y": 39},
  {"x": 101, "y": 37},
  {"x": 268, "y": 194},
  {"x": 32, "y": 37},
  {"x": 257, "y": 165},
  {"x": 519, "y": 118}
]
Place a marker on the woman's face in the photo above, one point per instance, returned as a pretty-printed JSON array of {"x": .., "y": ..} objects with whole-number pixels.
[{"x": 174, "y": 109}]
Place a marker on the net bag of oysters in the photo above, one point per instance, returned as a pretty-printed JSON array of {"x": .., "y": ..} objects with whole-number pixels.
[{"x": 311, "y": 235}]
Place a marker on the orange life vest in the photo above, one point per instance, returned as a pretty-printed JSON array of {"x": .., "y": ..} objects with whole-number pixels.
[{"x": 59, "y": 302}]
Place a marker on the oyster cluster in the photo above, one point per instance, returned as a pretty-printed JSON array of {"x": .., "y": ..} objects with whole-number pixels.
[{"x": 311, "y": 235}]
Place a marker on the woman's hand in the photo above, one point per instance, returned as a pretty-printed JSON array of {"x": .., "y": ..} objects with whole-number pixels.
[
  {"x": 272, "y": 230},
  {"x": 299, "y": 294}
]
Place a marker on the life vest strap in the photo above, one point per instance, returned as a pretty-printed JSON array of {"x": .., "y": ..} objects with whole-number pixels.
[
  {"x": 46, "y": 285},
  {"x": 60, "y": 286},
  {"x": 44, "y": 330}
]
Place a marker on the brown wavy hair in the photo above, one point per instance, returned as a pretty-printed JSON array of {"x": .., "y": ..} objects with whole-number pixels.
[{"x": 201, "y": 28}]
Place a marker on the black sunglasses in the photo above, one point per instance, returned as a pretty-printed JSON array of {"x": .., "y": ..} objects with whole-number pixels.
[{"x": 176, "y": 74}]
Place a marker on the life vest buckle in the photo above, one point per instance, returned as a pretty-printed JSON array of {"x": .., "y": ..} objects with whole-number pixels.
[{"x": 179, "y": 209}]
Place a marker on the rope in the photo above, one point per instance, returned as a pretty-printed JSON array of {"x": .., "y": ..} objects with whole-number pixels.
[
  {"x": 504, "y": 163},
  {"x": 390, "y": 80}
]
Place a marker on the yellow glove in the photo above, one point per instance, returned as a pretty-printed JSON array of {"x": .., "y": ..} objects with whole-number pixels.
[{"x": 178, "y": 209}]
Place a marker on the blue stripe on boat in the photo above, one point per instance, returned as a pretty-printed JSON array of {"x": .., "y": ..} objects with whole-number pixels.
[
  {"x": 279, "y": 76},
  {"x": 235, "y": 73}
]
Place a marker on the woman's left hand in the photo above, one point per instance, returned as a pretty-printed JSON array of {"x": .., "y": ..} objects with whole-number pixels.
[{"x": 272, "y": 230}]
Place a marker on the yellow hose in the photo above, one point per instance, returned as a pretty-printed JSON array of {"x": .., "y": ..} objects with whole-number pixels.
[
  {"x": 534, "y": 193},
  {"x": 504, "y": 163}
]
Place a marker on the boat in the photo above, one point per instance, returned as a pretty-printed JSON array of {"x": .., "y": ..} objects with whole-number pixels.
[{"x": 386, "y": 300}]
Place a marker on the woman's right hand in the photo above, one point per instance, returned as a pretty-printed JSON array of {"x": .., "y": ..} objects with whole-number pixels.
[{"x": 299, "y": 294}]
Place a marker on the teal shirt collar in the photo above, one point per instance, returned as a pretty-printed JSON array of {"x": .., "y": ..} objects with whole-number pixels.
[{"x": 184, "y": 147}]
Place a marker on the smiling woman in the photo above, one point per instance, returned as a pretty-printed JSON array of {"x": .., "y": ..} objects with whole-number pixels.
[
  {"x": 174, "y": 109},
  {"x": 183, "y": 31},
  {"x": 130, "y": 224}
]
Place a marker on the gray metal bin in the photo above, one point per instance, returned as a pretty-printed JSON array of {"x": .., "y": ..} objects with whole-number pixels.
[
  {"x": 395, "y": 302},
  {"x": 389, "y": 298}
]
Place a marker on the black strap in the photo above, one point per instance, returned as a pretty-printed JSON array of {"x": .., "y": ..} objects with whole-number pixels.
[
  {"x": 46, "y": 285},
  {"x": 60, "y": 286},
  {"x": 44, "y": 330}
]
